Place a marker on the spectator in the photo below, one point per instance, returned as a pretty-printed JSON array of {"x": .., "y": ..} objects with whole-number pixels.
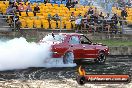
[
  {"x": 68, "y": 4},
  {"x": 46, "y": 1},
  {"x": 49, "y": 19},
  {"x": 36, "y": 10},
  {"x": 73, "y": 4},
  {"x": 129, "y": 3},
  {"x": 100, "y": 23},
  {"x": 85, "y": 21},
  {"x": 56, "y": 18},
  {"x": 114, "y": 23},
  {"x": 114, "y": 18},
  {"x": 95, "y": 21},
  {"x": 95, "y": 10},
  {"x": 28, "y": 8},
  {"x": 107, "y": 22},
  {"x": 15, "y": 6},
  {"x": 72, "y": 18},
  {"x": 17, "y": 22},
  {"x": 21, "y": 8},
  {"x": 124, "y": 13},
  {"x": 107, "y": 16},
  {"x": 90, "y": 11},
  {"x": 120, "y": 20},
  {"x": 15, "y": 19},
  {"x": 80, "y": 16},
  {"x": 101, "y": 15},
  {"x": 9, "y": 10},
  {"x": 78, "y": 22}
]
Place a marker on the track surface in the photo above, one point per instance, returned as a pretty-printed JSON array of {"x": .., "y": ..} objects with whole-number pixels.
[{"x": 65, "y": 77}]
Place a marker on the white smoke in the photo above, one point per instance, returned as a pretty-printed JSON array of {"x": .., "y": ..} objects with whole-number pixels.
[{"x": 19, "y": 54}]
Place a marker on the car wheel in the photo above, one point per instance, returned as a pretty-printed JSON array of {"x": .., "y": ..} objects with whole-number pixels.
[
  {"x": 68, "y": 58},
  {"x": 101, "y": 58},
  {"x": 81, "y": 80}
]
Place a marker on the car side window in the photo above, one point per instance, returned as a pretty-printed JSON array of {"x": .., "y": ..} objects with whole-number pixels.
[
  {"x": 84, "y": 40},
  {"x": 74, "y": 40}
]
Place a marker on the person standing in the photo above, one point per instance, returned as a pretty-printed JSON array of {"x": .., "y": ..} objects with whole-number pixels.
[
  {"x": 28, "y": 8},
  {"x": 124, "y": 13},
  {"x": 36, "y": 10}
]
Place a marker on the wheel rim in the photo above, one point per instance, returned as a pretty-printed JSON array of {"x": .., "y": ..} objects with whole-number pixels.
[
  {"x": 68, "y": 58},
  {"x": 82, "y": 81},
  {"x": 101, "y": 58}
]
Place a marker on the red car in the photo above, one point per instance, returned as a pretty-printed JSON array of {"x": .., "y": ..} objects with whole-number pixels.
[{"x": 74, "y": 47}]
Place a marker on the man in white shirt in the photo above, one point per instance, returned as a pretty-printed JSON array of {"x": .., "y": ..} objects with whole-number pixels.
[{"x": 78, "y": 22}]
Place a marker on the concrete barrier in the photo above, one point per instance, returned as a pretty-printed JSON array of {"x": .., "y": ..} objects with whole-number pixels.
[{"x": 121, "y": 50}]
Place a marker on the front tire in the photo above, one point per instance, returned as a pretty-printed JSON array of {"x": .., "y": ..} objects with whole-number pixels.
[
  {"x": 101, "y": 58},
  {"x": 81, "y": 80},
  {"x": 68, "y": 58}
]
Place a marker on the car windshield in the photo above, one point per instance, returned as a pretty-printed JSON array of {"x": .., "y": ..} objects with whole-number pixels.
[{"x": 54, "y": 37}]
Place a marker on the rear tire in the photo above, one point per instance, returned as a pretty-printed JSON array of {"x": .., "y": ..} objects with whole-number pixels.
[
  {"x": 101, "y": 58},
  {"x": 68, "y": 58}
]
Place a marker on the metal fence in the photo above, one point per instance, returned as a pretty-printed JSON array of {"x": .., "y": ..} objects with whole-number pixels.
[
  {"x": 67, "y": 25},
  {"x": 4, "y": 23}
]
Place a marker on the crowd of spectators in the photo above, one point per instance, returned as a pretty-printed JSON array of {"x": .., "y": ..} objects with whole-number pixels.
[
  {"x": 21, "y": 8},
  {"x": 94, "y": 21},
  {"x": 13, "y": 9}
]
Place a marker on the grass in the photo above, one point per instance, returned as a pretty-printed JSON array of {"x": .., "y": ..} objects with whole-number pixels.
[
  {"x": 33, "y": 39},
  {"x": 114, "y": 42}
]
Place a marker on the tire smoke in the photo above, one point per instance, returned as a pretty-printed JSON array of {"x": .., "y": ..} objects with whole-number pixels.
[{"x": 19, "y": 54}]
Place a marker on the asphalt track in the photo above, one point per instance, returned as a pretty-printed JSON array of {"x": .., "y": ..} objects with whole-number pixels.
[{"x": 65, "y": 77}]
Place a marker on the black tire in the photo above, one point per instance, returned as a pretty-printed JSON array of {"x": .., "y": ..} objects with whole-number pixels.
[
  {"x": 81, "y": 80},
  {"x": 101, "y": 58},
  {"x": 68, "y": 58}
]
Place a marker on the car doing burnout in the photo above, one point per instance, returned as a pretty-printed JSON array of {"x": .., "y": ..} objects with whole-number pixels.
[{"x": 75, "y": 47}]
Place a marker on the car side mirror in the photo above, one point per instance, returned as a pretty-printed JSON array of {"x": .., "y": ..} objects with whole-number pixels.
[{"x": 82, "y": 42}]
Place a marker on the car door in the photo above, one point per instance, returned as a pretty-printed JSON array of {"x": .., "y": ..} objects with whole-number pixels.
[
  {"x": 74, "y": 45},
  {"x": 89, "y": 50}
]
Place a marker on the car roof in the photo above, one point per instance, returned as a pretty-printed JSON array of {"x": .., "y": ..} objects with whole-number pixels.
[{"x": 67, "y": 33}]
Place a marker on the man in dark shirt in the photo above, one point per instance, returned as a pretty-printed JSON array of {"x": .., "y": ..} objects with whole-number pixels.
[
  {"x": 124, "y": 13},
  {"x": 15, "y": 19},
  {"x": 101, "y": 15},
  {"x": 56, "y": 18},
  {"x": 68, "y": 4},
  {"x": 15, "y": 6},
  {"x": 114, "y": 19},
  {"x": 36, "y": 10},
  {"x": 90, "y": 11},
  {"x": 94, "y": 21},
  {"x": 114, "y": 23}
]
